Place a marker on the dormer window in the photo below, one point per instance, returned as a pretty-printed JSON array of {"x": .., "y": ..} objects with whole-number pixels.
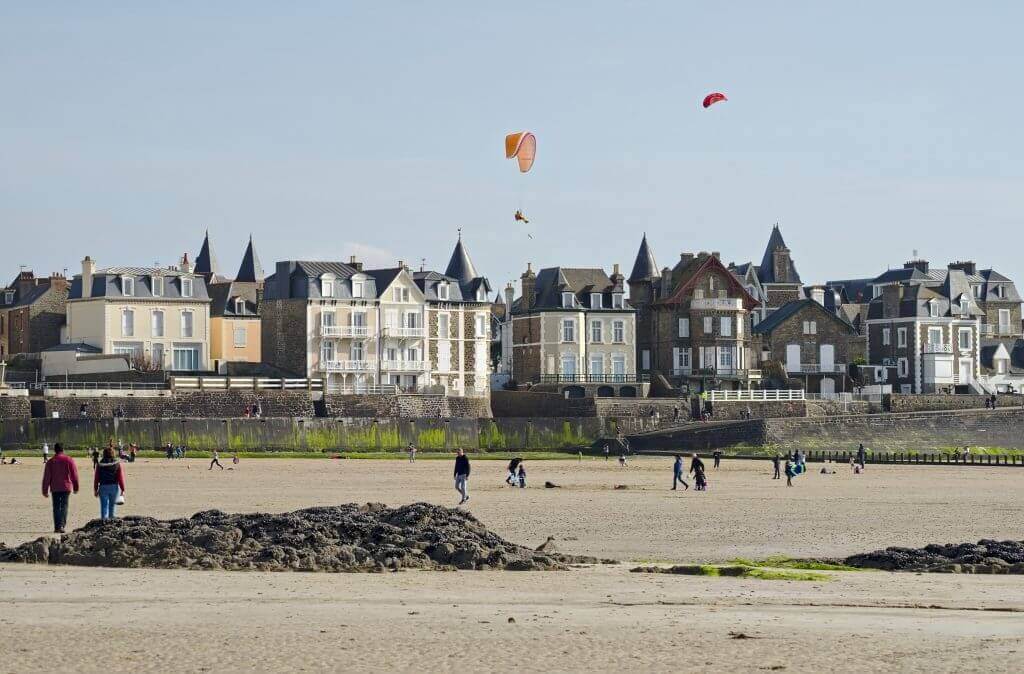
[
  {"x": 933, "y": 308},
  {"x": 186, "y": 287},
  {"x": 481, "y": 294},
  {"x": 357, "y": 288},
  {"x": 327, "y": 285},
  {"x": 1000, "y": 292},
  {"x": 128, "y": 286},
  {"x": 8, "y": 297},
  {"x": 239, "y": 305},
  {"x": 617, "y": 301},
  {"x": 596, "y": 301},
  {"x": 442, "y": 291},
  {"x": 157, "y": 284},
  {"x": 964, "y": 304},
  {"x": 568, "y": 300},
  {"x": 976, "y": 290}
]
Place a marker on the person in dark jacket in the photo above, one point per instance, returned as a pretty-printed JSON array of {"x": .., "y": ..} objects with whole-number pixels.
[
  {"x": 776, "y": 461},
  {"x": 718, "y": 457},
  {"x": 510, "y": 479},
  {"x": 522, "y": 476},
  {"x": 696, "y": 464},
  {"x": 108, "y": 483},
  {"x": 677, "y": 473},
  {"x": 699, "y": 477},
  {"x": 60, "y": 480},
  {"x": 861, "y": 456},
  {"x": 462, "y": 475}
]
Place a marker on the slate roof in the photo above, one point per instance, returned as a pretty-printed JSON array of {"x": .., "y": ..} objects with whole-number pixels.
[
  {"x": 582, "y": 282},
  {"x": 300, "y": 279},
  {"x": 780, "y": 315},
  {"x": 460, "y": 267},
  {"x": 855, "y": 290},
  {"x": 766, "y": 271},
  {"x": 1014, "y": 347},
  {"x": 916, "y": 298},
  {"x": 428, "y": 281},
  {"x": 107, "y": 283},
  {"x": 223, "y": 296},
  {"x": 250, "y": 271},
  {"x": 24, "y": 299},
  {"x": 685, "y": 271},
  {"x": 206, "y": 261},
  {"x": 991, "y": 279},
  {"x": 644, "y": 267},
  {"x": 78, "y": 347}
]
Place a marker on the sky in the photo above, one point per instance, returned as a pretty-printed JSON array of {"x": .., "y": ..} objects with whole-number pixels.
[{"x": 865, "y": 130}]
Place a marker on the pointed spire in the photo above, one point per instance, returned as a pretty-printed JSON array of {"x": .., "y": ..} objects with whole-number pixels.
[
  {"x": 767, "y": 273},
  {"x": 645, "y": 267},
  {"x": 460, "y": 267},
  {"x": 250, "y": 271},
  {"x": 206, "y": 262}
]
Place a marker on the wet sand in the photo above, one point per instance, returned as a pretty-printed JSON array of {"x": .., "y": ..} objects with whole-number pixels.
[{"x": 601, "y": 618}]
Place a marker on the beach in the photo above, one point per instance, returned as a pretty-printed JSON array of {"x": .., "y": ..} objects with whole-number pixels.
[{"x": 596, "y": 618}]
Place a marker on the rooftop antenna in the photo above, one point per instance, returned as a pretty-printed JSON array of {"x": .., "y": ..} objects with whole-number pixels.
[
  {"x": 460, "y": 234},
  {"x": 423, "y": 264}
]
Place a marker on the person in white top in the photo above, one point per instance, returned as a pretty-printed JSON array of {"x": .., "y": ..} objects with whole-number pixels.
[
  {"x": 46, "y": 452},
  {"x": 216, "y": 461}
]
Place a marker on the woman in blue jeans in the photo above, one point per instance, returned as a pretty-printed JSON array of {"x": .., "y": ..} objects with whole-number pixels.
[{"x": 108, "y": 483}]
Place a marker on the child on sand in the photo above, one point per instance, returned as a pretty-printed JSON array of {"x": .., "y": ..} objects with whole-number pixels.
[
  {"x": 522, "y": 476},
  {"x": 215, "y": 461}
]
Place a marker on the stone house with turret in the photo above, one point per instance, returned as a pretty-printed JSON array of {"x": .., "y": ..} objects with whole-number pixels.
[
  {"x": 775, "y": 281},
  {"x": 32, "y": 313}
]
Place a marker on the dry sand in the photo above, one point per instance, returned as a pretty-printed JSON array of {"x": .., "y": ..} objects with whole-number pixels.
[{"x": 590, "y": 619}]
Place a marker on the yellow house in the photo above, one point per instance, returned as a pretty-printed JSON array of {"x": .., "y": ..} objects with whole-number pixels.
[{"x": 234, "y": 307}]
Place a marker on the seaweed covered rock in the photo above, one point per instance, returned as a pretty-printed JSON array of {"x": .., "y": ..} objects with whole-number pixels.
[
  {"x": 985, "y": 556},
  {"x": 347, "y": 537}
]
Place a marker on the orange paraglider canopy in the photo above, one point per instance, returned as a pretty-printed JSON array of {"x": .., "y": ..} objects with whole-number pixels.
[{"x": 522, "y": 146}]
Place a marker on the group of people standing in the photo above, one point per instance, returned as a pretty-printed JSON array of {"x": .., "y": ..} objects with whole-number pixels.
[
  {"x": 60, "y": 481},
  {"x": 700, "y": 479}
]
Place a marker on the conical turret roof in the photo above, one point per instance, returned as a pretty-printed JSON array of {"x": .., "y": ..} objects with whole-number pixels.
[
  {"x": 250, "y": 271},
  {"x": 645, "y": 267}
]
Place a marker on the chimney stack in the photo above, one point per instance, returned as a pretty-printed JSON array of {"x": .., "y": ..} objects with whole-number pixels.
[
  {"x": 818, "y": 294},
  {"x": 185, "y": 266},
  {"x": 356, "y": 264},
  {"x": 529, "y": 284},
  {"x": 88, "y": 270},
  {"x": 510, "y": 297}
]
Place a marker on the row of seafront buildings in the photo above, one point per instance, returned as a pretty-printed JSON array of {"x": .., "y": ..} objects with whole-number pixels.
[
  {"x": 698, "y": 324},
  {"x": 706, "y": 324},
  {"x": 353, "y": 328}
]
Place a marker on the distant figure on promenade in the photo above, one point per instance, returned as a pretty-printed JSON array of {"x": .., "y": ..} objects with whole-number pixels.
[
  {"x": 108, "y": 483},
  {"x": 510, "y": 479},
  {"x": 607, "y": 451},
  {"x": 776, "y": 463},
  {"x": 622, "y": 458},
  {"x": 677, "y": 473},
  {"x": 46, "y": 452},
  {"x": 861, "y": 455},
  {"x": 412, "y": 453},
  {"x": 718, "y": 458},
  {"x": 462, "y": 475},
  {"x": 522, "y": 475},
  {"x": 801, "y": 458},
  {"x": 215, "y": 461},
  {"x": 94, "y": 454},
  {"x": 60, "y": 480},
  {"x": 790, "y": 472}
]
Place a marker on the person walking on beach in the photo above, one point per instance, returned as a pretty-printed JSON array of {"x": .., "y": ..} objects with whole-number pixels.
[
  {"x": 46, "y": 452},
  {"x": 60, "y": 480},
  {"x": 861, "y": 455},
  {"x": 412, "y": 453},
  {"x": 677, "y": 473},
  {"x": 718, "y": 458},
  {"x": 607, "y": 451},
  {"x": 462, "y": 475},
  {"x": 776, "y": 461},
  {"x": 790, "y": 472},
  {"x": 215, "y": 461},
  {"x": 108, "y": 483},
  {"x": 522, "y": 475},
  {"x": 510, "y": 479},
  {"x": 699, "y": 477}
]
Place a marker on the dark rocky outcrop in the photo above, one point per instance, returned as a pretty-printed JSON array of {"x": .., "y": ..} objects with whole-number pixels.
[
  {"x": 348, "y": 537},
  {"x": 985, "y": 556}
]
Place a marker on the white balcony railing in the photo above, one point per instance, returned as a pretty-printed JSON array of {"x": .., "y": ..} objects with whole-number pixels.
[
  {"x": 1000, "y": 330},
  {"x": 818, "y": 368},
  {"x": 938, "y": 348},
  {"x": 343, "y": 331},
  {"x": 717, "y": 304},
  {"x": 404, "y": 332},
  {"x": 402, "y": 365},
  {"x": 767, "y": 394},
  {"x": 348, "y": 365},
  {"x": 718, "y": 372}
]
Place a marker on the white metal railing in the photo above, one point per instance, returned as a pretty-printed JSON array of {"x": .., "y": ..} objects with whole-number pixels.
[
  {"x": 717, "y": 304},
  {"x": 402, "y": 365},
  {"x": 1002, "y": 329},
  {"x": 404, "y": 332},
  {"x": 759, "y": 395},
  {"x": 92, "y": 385},
  {"x": 242, "y": 383},
  {"x": 818, "y": 368},
  {"x": 345, "y": 331},
  {"x": 938, "y": 348},
  {"x": 385, "y": 389},
  {"x": 348, "y": 365}
]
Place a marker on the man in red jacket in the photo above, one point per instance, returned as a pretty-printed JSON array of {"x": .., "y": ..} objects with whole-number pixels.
[{"x": 61, "y": 478}]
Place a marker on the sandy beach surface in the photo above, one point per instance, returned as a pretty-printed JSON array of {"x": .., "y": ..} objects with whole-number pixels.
[{"x": 602, "y": 618}]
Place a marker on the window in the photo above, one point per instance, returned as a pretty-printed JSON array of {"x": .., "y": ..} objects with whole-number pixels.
[
  {"x": 481, "y": 294},
  {"x": 709, "y": 325},
  {"x": 902, "y": 367},
  {"x": 391, "y": 319},
  {"x": 725, "y": 359},
  {"x": 157, "y": 283},
  {"x": 711, "y": 283},
  {"x": 933, "y": 308},
  {"x": 1004, "y": 321},
  {"x": 684, "y": 359},
  {"x": 442, "y": 291},
  {"x": 618, "y": 331},
  {"x": 597, "y": 365},
  {"x": 964, "y": 339},
  {"x": 157, "y": 355},
  {"x": 1001, "y": 366},
  {"x": 358, "y": 319},
  {"x": 595, "y": 332},
  {"x": 935, "y": 335},
  {"x": 965, "y": 304},
  {"x": 645, "y": 359},
  {"x": 327, "y": 286},
  {"x": 901, "y": 337},
  {"x": 326, "y": 351},
  {"x": 327, "y": 319},
  {"x": 443, "y": 327},
  {"x": 725, "y": 325},
  {"x": 739, "y": 326},
  {"x": 187, "y": 323},
  {"x": 127, "y": 349},
  {"x": 886, "y": 336},
  {"x": 127, "y": 323},
  {"x": 239, "y": 305},
  {"x": 127, "y": 286},
  {"x": 810, "y": 327},
  {"x": 755, "y": 319},
  {"x": 357, "y": 351},
  {"x": 999, "y": 292},
  {"x": 684, "y": 327},
  {"x": 8, "y": 297},
  {"x": 480, "y": 325},
  {"x": 596, "y": 301},
  {"x": 568, "y": 365},
  {"x": 357, "y": 288},
  {"x": 617, "y": 302},
  {"x": 186, "y": 287},
  {"x": 698, "y": 293},
  {"x": 976, "y": 290},
  {"x": 412, "y": 354},
  {"x": 412, "y": 320},
  {"x": 568, "y": 300},
  {"x": 444, "y": 357},
  {"x": 241, "y": 337},
  {"x": 156, "y": 325},
  {"x": 618, "y": 364},
  {"x": 905, "y": 389},
  {"x": 186, "y": 358},
  {"x": 569, "y": 330}
]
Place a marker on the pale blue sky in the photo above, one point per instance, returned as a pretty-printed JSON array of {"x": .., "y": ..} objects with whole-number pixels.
[{"x": 377, "y": 128}]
